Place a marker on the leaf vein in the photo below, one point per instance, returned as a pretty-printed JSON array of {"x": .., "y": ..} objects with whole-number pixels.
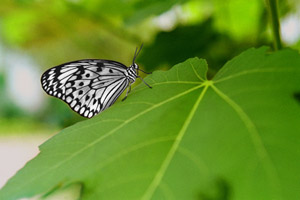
[
  {"x": 168, "y": 82},
  {"x": 199, "y": 77},
  {"x": 135, "y": 148},
  {"x": 255, "y": 137}
]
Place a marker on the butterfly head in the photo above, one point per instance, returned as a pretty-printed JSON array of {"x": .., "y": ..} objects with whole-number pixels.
[
  {"x": 134, "y": 69},
  {"x": 135, "y": 66}
]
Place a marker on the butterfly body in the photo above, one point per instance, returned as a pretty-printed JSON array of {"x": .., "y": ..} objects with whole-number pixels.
[{"x": 89, "y": 86}]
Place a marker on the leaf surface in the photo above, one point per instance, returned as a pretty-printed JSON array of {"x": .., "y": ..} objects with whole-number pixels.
[{"x": 233, "y": 137}]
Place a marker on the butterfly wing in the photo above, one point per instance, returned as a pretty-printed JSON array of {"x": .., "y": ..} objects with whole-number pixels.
[{"x": 87, "y": 86}]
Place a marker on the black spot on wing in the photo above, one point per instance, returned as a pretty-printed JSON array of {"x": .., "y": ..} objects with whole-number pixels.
[{"x": 101, "y": 62}]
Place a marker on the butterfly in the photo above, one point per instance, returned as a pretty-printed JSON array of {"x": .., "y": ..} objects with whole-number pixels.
[{"x": 90, "y": 86}]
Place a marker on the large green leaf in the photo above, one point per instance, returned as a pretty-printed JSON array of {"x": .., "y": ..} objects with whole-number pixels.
[{"x": 236, "y": 136}]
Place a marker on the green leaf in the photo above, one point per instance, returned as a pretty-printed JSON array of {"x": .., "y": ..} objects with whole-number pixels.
[{"x": 233, "y": 137}]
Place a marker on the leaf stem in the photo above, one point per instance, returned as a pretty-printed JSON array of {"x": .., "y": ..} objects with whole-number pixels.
[{"x": 272, "y": 9}]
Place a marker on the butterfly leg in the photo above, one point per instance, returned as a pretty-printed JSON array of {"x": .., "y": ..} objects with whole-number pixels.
[
  {"x": 144, "y": 82},
  {"x": 128, "y": 90}
]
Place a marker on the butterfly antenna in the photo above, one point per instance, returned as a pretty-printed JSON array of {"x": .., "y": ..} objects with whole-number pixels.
[
  {"x": 134, "y": 57},
  {"x": 145, "y": 72},
  {"x": 136, "y": 53},
  {"x": 140, "y": 49}
]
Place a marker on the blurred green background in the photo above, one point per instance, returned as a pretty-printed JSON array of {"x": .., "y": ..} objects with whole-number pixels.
[{"x": 37, "y": 34}]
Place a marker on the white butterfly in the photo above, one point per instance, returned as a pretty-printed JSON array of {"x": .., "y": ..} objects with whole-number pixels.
[{"x": 90, "y": 86}]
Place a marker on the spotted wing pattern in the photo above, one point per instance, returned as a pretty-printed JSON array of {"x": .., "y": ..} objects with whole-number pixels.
[{"x": 87, "y": 86}]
